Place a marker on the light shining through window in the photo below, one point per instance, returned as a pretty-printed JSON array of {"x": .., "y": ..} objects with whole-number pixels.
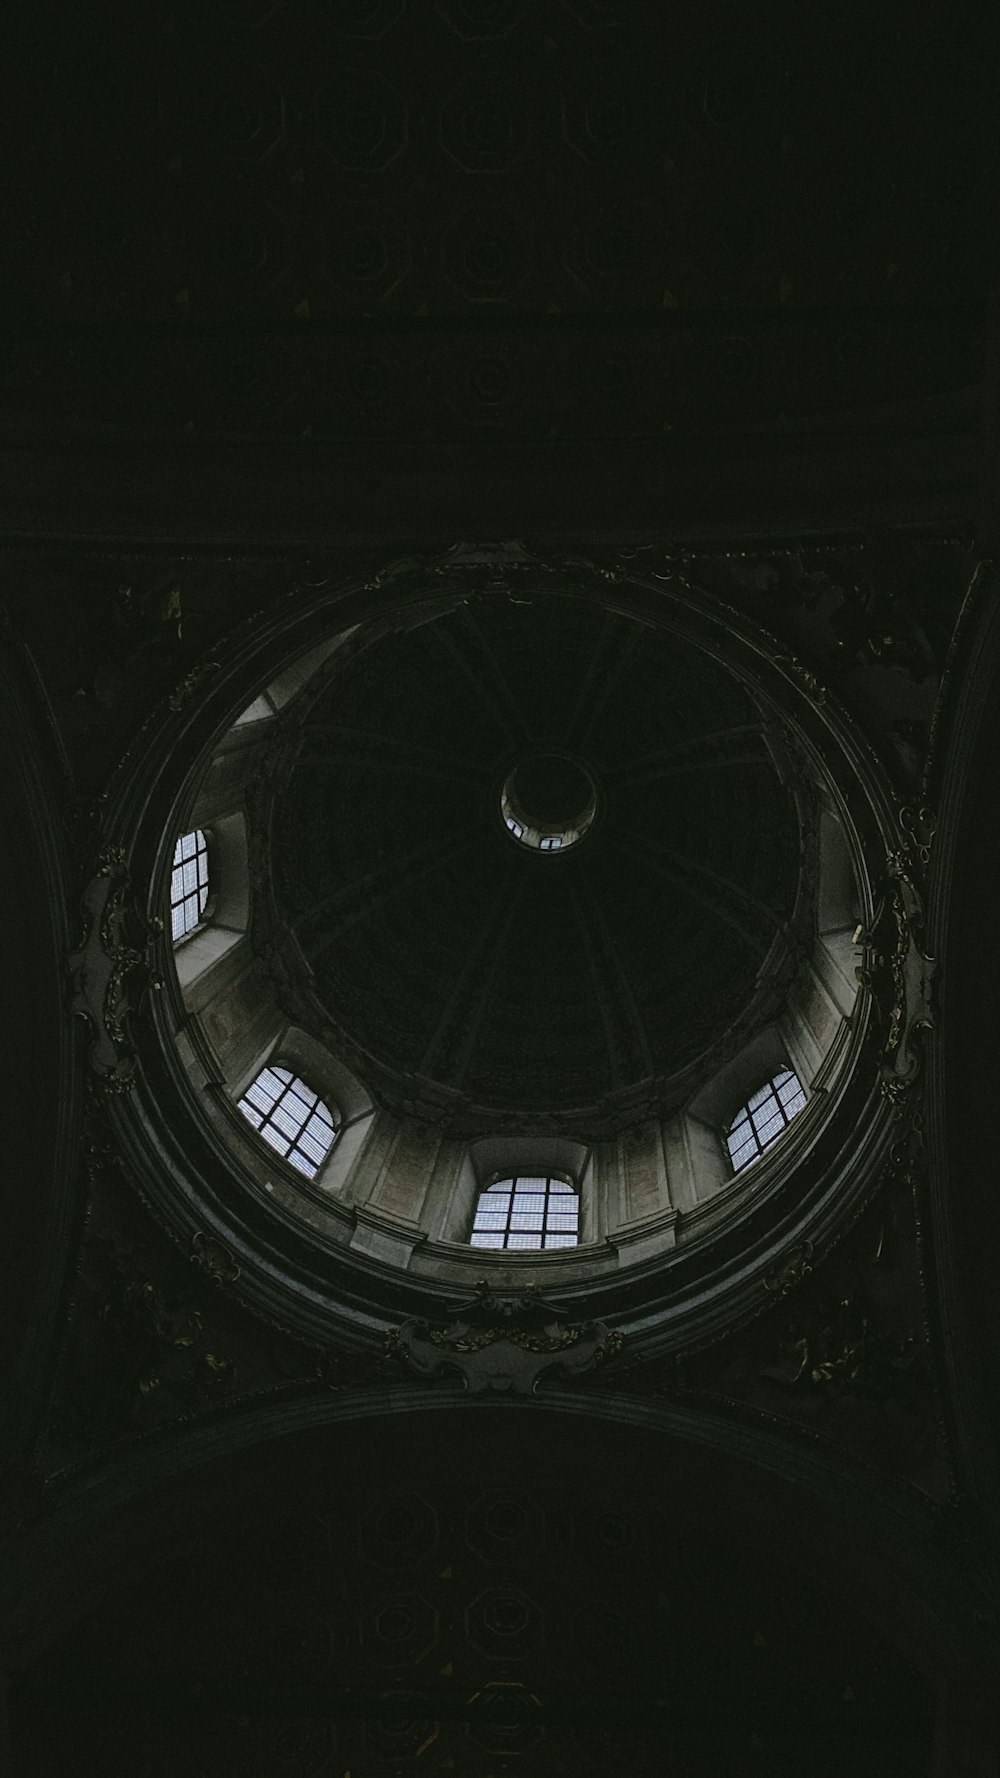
[
  {"x": 291, "y": 1118},
  {"x": 188, "y": 883},
  {"x": 527, "y": 1213},
  {"x": 764, "y": 1118}
]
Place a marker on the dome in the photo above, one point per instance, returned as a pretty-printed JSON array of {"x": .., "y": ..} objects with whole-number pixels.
[
  {"x": 404, "y": 1029},
  {"x": 567, "y": 982}
]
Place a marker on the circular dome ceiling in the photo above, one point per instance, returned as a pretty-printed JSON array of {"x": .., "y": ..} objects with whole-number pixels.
[{"x": 462, "y": 973}]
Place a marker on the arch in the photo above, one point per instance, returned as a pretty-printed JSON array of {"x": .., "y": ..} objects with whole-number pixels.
[{"x": 843, "y": 1528}]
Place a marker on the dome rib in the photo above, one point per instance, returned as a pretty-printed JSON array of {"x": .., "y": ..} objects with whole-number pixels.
[
  {"x": 685, "y": 757},
  {"x": 483, "y": 980},
  {"x": 612, "y": 654},
  {"x": 490, "y": 686},
  {"x": 379, "y": 752},
  {"x": 479, "y": 1003},
  {"x": 658, "y": 859},
  {"x": 399, "y": 876},
  {"x": 472, "y": 983},
  {"x": 619, "y": 1007}
]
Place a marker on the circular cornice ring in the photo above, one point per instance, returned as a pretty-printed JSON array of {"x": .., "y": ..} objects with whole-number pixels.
[{"x": 278, "y": 1265}]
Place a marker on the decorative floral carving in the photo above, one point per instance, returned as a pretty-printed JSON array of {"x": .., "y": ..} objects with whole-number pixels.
[
  {"x": 110, "y": 976},
  {"x": 789, "y": 1271},
  {"x": 845, "y": 1351},
  {"x": 214, "y": 1257},
  {"x": 192, "y": 682},
  {"x": 897, "y": 970},
  {"x": 137, "y": 1351},
  {"x": 504, "y": 1343},
  {"x": 805, "y": 677}
]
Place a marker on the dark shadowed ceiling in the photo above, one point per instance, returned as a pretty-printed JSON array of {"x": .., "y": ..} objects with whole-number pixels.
[
  {"x": 336, "y": 219},
  {"x": 444, "y": 950},
  {"x": 523, "y": 1614}
]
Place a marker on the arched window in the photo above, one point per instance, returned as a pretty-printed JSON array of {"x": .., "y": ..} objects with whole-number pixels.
[
  {"x": 290, "y": 1117},
  {"x": 764, "y": 1117},
  {"x": 528, "y": 1213},
  {"x": 188, "y": 884}
]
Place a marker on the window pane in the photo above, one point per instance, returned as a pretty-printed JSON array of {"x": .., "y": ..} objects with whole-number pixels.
[
  {"x": 188, "y": 883},
  {"x": 770, "y": 1129},
  {"x": 291, "y": 1118},
  {"x": 309, "y": 1146},
  {"x": 533, "y": 1201},
  {"x": 741, "y": 1156},
  {"x": 763, "y": 1114},
  {"x": 275, "y": 1138},
  {"x": 287, "y": 1120},
  {"x": 258, "y": 1095},
  {"x": 765, "y": 1117},
  {"x": 514, "y": 1213}
]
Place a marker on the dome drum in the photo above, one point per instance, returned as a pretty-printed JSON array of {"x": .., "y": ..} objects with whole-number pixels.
[{"x": 453, "y": 990}]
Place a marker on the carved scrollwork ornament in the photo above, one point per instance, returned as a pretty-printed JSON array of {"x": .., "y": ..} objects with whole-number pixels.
[
  {"x": 503, "y": 1344},
  {"x": 214, "y": 1257},
  {"x": 191, "y": 683},
  {"x": 804, "y": 676},
  {"x": 790, "y": 1270},
  {"x": 919, "y": 824},
  {"x": 109, "y": 975},
  {"x": 899, "y": 973}
]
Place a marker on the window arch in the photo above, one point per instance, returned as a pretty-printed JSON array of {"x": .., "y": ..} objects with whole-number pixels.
[
  {"x": 188, "y": 884},
  {"x": 290, "y": 1117},
  {"x": 527, "y": 1212},
  {"x": 765, "y": 1116}
]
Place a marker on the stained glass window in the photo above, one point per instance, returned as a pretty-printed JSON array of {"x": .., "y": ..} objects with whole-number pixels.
[
  {"x": 764, "y": 1117},
  {"x": 528, "y": 1213},
  {"x": 188, "y": 883},
  {"x": 290, "y": 1117}
]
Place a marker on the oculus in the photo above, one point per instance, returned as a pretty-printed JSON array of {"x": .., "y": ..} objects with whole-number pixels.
[{"x": 548, "y": 802}]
